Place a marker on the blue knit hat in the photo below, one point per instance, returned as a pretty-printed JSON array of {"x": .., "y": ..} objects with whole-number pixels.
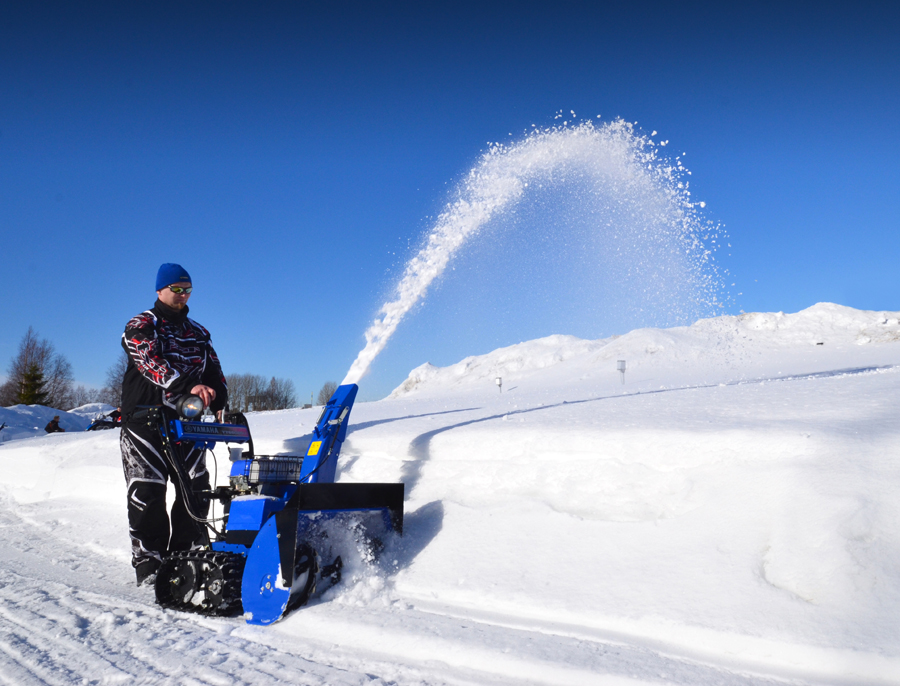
[{"x": 170, "y": 273}]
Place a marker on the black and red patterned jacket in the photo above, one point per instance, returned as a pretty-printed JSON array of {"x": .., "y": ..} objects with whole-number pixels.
[{"x": 168, "y": 354}]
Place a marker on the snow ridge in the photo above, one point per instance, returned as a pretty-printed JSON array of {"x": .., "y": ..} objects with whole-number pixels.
[
  {"x": 721, "y": 343},
  {"x": 728, "y": 515}
]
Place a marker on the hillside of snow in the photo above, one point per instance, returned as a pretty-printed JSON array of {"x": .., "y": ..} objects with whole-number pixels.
[
  {"x": 728, "y": 515},
  {"x": 729, "y": 348},
  {"x": 28, "y": 421}
]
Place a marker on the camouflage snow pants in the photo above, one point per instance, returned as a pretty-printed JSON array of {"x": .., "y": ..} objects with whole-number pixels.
[{"x": 146, "y": 472}]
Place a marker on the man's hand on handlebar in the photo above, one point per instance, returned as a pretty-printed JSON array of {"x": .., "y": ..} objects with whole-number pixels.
[{"x": 207, "y": 395}]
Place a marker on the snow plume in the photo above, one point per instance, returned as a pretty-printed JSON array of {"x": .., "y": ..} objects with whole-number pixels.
[{"x": 641, "y": 199}]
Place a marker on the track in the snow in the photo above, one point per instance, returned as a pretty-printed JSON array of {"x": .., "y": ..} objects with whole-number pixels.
[{"x": 70, "y": 616}]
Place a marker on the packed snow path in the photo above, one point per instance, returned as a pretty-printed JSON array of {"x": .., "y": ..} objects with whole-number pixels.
[
  {"x": 75, "y": 617},
  {"x": 728, "y": 516}
]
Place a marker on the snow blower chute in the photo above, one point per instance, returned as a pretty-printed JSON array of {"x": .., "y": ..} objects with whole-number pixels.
[{"x": 281, "y": 515}]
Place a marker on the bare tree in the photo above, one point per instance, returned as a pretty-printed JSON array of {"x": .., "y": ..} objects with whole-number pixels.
[
  {"x": 326, "y": 392},
  {"x": 252, "y": 392},
  {"x": 82, "y": 396},
  {"x": 111, "y": 393},
  {"x": 241, "y": 388},
  {"x": 281, "y": 394},
  {"x": 55, "y": 369},
  {"x": 59, "y": 381}
]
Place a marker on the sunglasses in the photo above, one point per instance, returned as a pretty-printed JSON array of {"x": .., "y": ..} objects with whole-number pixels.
[{"x": 179, "y": 289}]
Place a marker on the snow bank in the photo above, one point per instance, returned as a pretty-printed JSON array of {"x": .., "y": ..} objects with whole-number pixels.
[
  {"x": 728, "y": 515},
  {"x": 510, "y": 363},
  {"x": 92, "y": 410},
  {"x": 27, "y": 421},
  {"x": 716, "y": 349}
]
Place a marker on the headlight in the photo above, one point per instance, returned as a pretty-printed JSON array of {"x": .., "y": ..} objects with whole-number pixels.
[{"x": 190, "y": 406}]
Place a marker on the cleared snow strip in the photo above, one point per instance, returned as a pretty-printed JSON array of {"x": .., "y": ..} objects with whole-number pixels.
[
  {"x": 418, "y": 642},
  {"x": 68, "y": 618},
  {"x": 734, "y": 652}
]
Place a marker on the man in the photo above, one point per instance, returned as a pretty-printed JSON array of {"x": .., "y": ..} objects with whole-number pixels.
[
  {"x": 53, "y": 425},
  {"x": 169, "y": 356}
]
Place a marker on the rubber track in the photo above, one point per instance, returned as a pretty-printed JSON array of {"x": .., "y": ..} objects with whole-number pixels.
[{"x": 232, "y": 566}]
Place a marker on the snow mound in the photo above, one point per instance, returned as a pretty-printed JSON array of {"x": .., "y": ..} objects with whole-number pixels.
[
  {"x": 724, "y": 348},
  {"x": 25, "y": 421},
  {"x": 509, "y": 362},
  {"x": 821, "y": 323},
  {"x": 728, "y": 515},
  {"x": 92, "y": 410}
]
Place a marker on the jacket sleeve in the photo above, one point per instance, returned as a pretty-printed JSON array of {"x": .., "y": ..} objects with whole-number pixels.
[
  {"x": 142, "y": 346},
  {"x": 215, "y": 379}
]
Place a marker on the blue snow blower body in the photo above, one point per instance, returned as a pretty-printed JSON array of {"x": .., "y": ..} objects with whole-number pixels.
[{"x": 282, "y": 514}]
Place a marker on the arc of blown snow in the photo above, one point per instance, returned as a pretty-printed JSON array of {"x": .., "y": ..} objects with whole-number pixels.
[{"x": 454, "y": 227}]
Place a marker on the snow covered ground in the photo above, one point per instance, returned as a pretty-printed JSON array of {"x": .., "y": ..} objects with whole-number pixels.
[
  {"x": 28, "y": 421},
  {"x": 727, "y": 516}
]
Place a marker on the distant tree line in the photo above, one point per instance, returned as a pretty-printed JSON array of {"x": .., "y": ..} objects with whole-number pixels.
[
  {"x": 253, "y": 392},
  {"x": 39, "y": 375},
  {"x": 326, "y": 392}
]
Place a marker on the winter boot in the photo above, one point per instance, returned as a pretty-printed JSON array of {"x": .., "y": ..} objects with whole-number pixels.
[{"x": 146, "y": 572}]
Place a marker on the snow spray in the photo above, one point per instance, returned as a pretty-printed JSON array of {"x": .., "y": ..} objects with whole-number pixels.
[{"x": 645, "y": 197}]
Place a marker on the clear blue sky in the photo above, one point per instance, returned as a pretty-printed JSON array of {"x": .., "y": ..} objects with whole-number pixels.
[{"x": 288, "y": 154}]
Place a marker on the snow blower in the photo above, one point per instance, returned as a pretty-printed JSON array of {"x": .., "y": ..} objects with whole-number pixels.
[{"x": 281, "y": 516}]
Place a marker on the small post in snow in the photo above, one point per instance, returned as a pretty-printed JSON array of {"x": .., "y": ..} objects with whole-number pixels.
[
  {"x": 620, "y": 365},
  {"x": 499, "y": 383}
]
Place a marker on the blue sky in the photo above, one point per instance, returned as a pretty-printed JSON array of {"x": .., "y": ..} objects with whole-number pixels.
[{"x": 290, "y": 155}]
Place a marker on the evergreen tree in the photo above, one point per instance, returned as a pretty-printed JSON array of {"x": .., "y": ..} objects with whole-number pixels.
[
  {"x": 55, "y": 369},
  {"x": 32, "y": 390}
]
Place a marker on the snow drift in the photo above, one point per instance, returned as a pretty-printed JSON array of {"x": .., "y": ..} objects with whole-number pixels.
[
  {"x": 728, "y": 515},
  {"x": 25, "y": 421},
  {"x": 727, "y": 347}
]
